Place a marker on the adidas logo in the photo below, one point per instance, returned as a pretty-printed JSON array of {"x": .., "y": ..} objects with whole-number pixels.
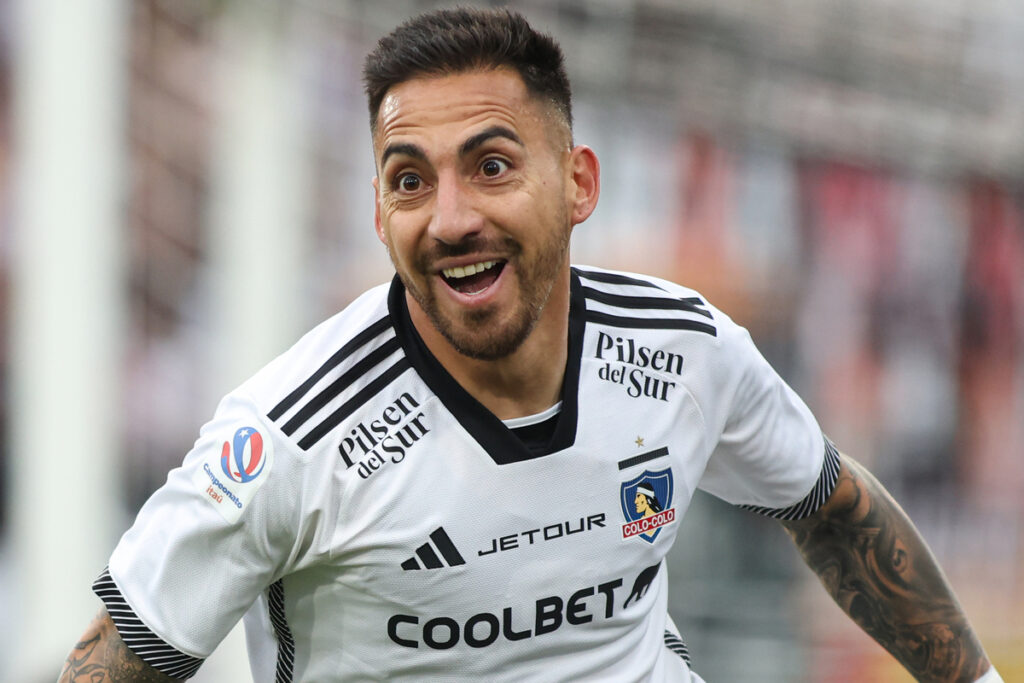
[{"x": 427, "y": 553}]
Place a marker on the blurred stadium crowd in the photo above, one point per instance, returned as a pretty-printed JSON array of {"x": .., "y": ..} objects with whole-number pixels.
[{"x": 844, "y": 179}]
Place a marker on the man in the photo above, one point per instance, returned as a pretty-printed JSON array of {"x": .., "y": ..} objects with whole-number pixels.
[{"x": 376, "y": 501}]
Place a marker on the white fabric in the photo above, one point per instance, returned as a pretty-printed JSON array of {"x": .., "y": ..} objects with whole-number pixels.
[
  {"x": 549, "y": 585},
  {"x": 527, "y": 420},
  {"x": 991, "y": 676}
]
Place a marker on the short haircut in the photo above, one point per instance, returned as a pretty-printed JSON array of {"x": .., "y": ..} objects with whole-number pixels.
[{"x": 451, "y": 41}]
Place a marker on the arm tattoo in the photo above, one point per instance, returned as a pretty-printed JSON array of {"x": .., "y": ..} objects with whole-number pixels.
[
  {"x": 876, "y": 566},
  {"x": 102, "y": 657}
]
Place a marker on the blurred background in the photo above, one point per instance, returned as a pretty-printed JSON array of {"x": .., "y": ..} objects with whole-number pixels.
[{"x": 185, "y": 188}]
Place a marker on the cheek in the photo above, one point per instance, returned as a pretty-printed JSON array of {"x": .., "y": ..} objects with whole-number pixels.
[
  {"x": 400, "y": 241},
  {"x": 549, "y": 197},
  {"x": 533, "y": 208}
]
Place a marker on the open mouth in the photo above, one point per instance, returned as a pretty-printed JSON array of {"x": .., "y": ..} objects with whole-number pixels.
[{"x": 474, "y": 278}]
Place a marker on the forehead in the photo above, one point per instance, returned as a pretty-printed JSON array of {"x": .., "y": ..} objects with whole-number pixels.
[{"x": 448, "y": 108}]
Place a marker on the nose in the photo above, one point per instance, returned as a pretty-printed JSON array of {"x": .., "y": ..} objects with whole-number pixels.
[{"x": 456, "y": 215}]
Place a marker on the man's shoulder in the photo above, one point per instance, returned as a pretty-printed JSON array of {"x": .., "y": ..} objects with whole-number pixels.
[
  {"x": 623, "y": 299},
  {"x": 649, "y": 284},
  {"x": 360, "y": 329},
  {"x": 646, "y": 308}
]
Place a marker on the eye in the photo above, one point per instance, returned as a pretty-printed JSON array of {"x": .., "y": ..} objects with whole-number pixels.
[
  {"x": 493, "y": 167},
  {"x": 408, "y": 182}
]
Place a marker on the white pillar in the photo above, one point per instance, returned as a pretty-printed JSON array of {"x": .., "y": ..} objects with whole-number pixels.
[
  {"x": 259, "y": 214},
  {"x": 66, "y": 318},
  {"x": 258, "y": 220}
]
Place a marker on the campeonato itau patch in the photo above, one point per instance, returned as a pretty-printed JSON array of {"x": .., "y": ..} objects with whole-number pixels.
[{"x": 230, "y": 477}]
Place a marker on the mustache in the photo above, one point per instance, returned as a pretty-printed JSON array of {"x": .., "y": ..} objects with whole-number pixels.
[{"x": 471, "y": 244}]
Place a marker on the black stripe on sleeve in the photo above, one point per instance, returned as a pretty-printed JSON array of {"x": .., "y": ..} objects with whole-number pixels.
[
  {"x": 813, "y": 500},
  {"x": 341, "y": 354},
  {"x": 614, "y": 279},
  {"x": 676, "y": 644},
  {"x": 285, "y": 641},
  {"x": 339, "y": 385},
  {"x": 361, "y": 397},
  {"x": 690, "y": 304},
  {"x": 149, "y": 647},
  {"x": 651, "y": 323}
]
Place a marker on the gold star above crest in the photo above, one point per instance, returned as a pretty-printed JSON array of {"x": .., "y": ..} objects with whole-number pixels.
[{"x": 639, "y": 442}]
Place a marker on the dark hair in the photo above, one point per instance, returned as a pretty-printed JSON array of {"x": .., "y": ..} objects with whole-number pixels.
[
  {"x": 450, "y": 41},
  {"x": 652, "y": 501}
]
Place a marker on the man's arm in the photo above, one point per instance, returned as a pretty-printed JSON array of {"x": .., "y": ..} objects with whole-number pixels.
[
  {"x": 101, "y": 655},
  {"x": 875, "y": 565}
]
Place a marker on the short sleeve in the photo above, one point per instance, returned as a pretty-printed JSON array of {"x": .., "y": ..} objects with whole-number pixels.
[
  {"x": 205, "y": 545},
  {"x": 150, "y": 647},
  {"x": 768, "y": 452}
]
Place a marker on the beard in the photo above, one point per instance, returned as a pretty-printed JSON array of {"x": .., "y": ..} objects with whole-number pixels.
[{"x": 486, "y": 334}]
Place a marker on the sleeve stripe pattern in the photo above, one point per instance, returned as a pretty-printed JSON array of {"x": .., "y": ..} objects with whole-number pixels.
[
  {"x": 143, "y": 642},
  {"x": 344, "y": 352},
  {"x": 335, "y": 388},
  {"x": 816, "y": 498},
  {"x": 650, "y": 323},
  {"x": 676, "y": 644},
  {"x": 615, "y": 278},
  {"x": 285, "y": 641},
  {"x": 351, "y": 405},
  {"x": 691, "y": 304},
  {"x": 657, "y": 309},
  {"x": 321, "y": 403}
]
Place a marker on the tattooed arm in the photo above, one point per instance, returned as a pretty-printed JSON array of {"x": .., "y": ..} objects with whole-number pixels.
[
  {"x": 101, "y": 655},
  {"x": 875, "y": 565}
]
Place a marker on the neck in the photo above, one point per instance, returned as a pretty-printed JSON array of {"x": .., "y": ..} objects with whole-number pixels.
[{"x": 525, "y": 382}]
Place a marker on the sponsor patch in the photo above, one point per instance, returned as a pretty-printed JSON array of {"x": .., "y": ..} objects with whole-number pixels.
[
  {"x": 647, "y": 504},
  {"x": 230, "y": 478}
]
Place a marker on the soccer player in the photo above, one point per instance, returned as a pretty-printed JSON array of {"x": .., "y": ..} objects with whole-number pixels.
[{"x": 376, "y": 503}]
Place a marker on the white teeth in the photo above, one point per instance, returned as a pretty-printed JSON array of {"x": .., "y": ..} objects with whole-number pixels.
[{"x": 464, "y": 271}]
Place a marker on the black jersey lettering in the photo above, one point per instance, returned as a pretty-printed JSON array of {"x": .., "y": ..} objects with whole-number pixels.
[
  {"x": 550, "y": 532},
  {"x": 547, "y": 615}
]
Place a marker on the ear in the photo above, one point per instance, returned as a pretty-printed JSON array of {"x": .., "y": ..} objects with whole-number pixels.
[
  {"x": 376, "y": 211},
  {"x": 585, "y": 185}
]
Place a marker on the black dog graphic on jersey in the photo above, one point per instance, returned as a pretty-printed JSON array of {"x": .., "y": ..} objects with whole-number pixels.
[{"x": 642, "y": 583}]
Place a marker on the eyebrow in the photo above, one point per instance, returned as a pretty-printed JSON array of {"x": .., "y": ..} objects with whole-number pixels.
[
  {"x": 406, "y": 148},
  {"x": 416, "y": 152},
  {"x": 488, "y": 134}
]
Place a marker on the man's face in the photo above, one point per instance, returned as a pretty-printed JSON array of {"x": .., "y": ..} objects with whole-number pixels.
[
  {"x": 472, "y": 203},
  {"x": 640, "y": 501}
]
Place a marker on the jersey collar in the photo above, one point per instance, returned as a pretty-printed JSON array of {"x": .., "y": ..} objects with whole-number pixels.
[{"x": 490, "y": 432}]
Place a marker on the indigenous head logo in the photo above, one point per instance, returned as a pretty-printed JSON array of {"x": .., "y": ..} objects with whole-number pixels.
[
  {"x": 242, "y": 459},
  {"x": 647, "y": 504}
]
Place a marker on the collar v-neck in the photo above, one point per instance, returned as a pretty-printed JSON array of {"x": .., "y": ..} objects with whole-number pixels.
[{"x": 498, "y": 440}]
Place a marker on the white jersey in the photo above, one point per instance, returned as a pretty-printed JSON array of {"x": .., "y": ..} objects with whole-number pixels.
[{"x": 372, "y": 521}]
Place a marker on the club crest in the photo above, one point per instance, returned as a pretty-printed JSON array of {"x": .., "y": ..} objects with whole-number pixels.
[{"x": 647, "y": 504}]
